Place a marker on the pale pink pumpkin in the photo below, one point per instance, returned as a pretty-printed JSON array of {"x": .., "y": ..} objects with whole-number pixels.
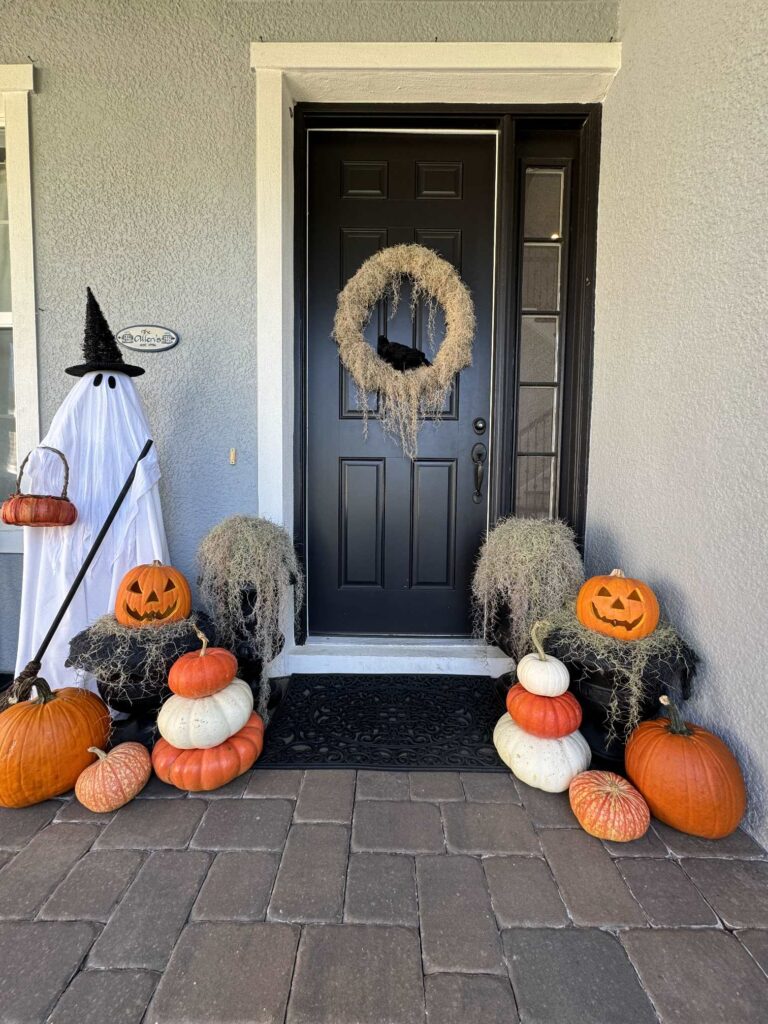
[
  {"x": 608, "y": 806},
  {"x": 114, "y": 778}
]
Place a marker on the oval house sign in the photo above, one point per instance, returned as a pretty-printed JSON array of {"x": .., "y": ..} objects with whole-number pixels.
[{"x": 147, "y": 338}]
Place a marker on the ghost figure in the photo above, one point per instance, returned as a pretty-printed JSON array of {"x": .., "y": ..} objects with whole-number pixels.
[{"x": 101, "y": 428}]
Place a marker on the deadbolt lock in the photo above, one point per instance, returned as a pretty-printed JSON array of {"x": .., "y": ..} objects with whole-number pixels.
[{"x": 479, "y": 425}]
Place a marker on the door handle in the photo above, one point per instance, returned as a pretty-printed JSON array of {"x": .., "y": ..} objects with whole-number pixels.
[{"x": 479, "y": 455}]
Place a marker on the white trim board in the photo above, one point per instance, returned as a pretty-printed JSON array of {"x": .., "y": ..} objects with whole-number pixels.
[{"x": 510, "y": 73}]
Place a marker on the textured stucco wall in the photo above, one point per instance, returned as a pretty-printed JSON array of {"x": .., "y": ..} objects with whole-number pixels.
[
  {"x": 678, "y": 486},
  {"x": 143, "y": 152}
]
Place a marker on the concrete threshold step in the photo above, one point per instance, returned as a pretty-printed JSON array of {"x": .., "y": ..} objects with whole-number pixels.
[{"x": 391, "y": 657}]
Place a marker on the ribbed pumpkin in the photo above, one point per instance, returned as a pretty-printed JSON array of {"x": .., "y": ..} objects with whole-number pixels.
[
  {"x": 544, "y": 764},
  {"x": 115, "y": 778},
  {"x": 618, "y": 606},
  {"x": 550, "y": 717},
  {"x": 688, "y": 776},
  {"x": 44, "y": 742},
  {"x": 608, "y": 807},
  {"x": 201, "y": 673},
  {"x": 192, "y": 722},
  {"x": 151, "y": 595},
  {"x": 212, "y": 767},
  {"x": 540, "y": 673}
]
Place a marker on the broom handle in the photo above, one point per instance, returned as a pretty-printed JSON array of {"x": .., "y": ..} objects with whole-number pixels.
[{"x": 91, "y": 554}]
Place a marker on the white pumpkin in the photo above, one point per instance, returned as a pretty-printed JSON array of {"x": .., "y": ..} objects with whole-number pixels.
[
  {"x": 191, "y": 723},
  {"x": 542, "y": 763},
  {"x": 545, "y": 675}
]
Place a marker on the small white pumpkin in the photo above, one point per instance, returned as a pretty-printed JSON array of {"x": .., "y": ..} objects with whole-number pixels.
[
  {"x": 545, "y": 676},
  {"x": 192, "y": 723},
  {"x": 542, "y": 763}
]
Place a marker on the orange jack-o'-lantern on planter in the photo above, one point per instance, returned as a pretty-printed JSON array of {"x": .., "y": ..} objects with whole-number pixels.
[
  {"x": 618, "y": 606},
  {"x": 152, "y": 595}
]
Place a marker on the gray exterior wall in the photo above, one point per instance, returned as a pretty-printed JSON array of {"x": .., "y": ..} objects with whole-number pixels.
[{"x": 678, "y": 489}]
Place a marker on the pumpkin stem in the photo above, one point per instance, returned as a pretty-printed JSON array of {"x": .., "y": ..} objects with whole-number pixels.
[
  {"x": 676, "y": 724},
  {"x": 98, "y": 752},
  {"x": 201, "y": 637},
  {"x": 536, "y": 642},
  {"x": 617, "y": 572}
]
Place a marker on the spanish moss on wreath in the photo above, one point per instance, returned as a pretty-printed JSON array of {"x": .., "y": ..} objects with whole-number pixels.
[
  {"x": 527, "y": 570},
  {"x": 405, "y": 396}
]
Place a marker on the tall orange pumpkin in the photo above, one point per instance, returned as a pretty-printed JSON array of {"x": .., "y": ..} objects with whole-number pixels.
[
  {"x": 209, "y": 768},
  {"x": 151, "y": 595},
  {"x": 551, "y": 717},
  {"x": 688, "y": 776},
  {"x": 618, "y": 606},
  {"x": 44, "y": 742}
]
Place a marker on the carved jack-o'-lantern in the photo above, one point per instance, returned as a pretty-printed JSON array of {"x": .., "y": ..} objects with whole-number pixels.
[
  {"x": 618, "y": 606},
  {"x": 151, "y": 595}
]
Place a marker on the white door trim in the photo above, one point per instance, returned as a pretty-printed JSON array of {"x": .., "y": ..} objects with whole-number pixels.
[{"x": 286, "y": 73}]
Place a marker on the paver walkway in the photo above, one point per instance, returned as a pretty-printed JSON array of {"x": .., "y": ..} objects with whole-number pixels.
[{"x": 336, "y": 897}]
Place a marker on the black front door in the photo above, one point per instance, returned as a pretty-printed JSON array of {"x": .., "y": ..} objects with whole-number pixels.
[{"x": 391, "y": 542}]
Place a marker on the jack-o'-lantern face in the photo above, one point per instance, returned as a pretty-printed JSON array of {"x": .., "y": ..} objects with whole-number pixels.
[
  {"x": 617, "y": 606},
  {"x": 151, "y": 595}
]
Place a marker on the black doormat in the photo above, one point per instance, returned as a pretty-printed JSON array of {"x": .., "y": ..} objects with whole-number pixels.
[{"x": 386, "y": 722}]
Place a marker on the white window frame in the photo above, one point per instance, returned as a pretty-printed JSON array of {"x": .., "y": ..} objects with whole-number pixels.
[{"x": 16, "y": 83}]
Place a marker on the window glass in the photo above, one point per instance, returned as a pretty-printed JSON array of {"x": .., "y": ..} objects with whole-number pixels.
[
  {"x": 534, "y": 490},
  {"x": 543, "y": 202},
  {"x": 7, "y": 415},
  {"x": 536, "y": 420},
  {"x": 541, "y": 276},
  {"x": 5, "y": 261},
  {"x": 538, "y": 349}
]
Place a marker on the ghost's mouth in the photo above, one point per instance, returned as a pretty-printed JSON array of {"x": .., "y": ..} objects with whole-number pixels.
[
  {"x": 618, "y": 622},
  {"x": 152, "y": 616}
]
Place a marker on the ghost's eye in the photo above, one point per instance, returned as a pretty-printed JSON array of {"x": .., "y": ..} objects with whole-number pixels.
[
  {"x": 97, "y": 380},
  {"x": 111, "y": 382}
]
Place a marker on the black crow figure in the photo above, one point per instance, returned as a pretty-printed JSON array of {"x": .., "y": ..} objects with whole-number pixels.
[{"x": 402, "y": 357}]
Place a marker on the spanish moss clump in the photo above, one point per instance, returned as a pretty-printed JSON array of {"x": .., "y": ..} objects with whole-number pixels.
[
  {"x": 405, "y": 398},
  {"x": 640, "y": 670},
  {"x": 246, "y": 564},
  {"x": 528, "y": 569}
]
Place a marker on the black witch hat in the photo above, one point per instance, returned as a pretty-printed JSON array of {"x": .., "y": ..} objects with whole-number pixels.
[{"x": 99, "y": 346}]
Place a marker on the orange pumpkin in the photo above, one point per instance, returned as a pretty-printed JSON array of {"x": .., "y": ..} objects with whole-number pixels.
[
  {"x": 209, "y": 768},
  {"x": 618, "y": 606},
  {"x": 550, "y": 717},
  {"x": 688, "y": 775},
  {"x": 44, "y": 742},
  {"x": 115, "y": 778},
  {"x": 201, "y": 673},
  {"x": 608, "y": 807},
  {"x": 39, "y": 509},
  {"x": 151, "y": 595}
]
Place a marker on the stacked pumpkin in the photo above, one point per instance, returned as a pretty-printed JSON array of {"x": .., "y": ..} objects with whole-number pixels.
[
  {"x": 209, "y": 731},
  {"x": 539, "y": 737}
]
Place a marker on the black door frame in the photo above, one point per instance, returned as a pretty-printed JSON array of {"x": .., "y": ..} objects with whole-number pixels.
[{"x": 579, "y": 320}]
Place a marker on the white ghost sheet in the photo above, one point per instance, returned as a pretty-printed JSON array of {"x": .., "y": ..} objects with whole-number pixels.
[{"x": 101, "y": 430}]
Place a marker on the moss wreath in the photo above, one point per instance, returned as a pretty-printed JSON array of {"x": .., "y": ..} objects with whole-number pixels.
[{"x": 404, "y": 396}]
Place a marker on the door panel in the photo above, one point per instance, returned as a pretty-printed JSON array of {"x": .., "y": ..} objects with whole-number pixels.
[{"x": 390, "y": 542}]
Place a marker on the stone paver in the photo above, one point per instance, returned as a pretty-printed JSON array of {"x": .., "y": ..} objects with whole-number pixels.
[
  {"x": 648, "y": 846},
  {"x": 393, "y": 826},
  {"x": 489, "y": 828},
  {"x": 93, "y": 887},
  {"x": 232, "y": 791},
  {"x": 157, "y": 790},
  {"x": 524, "y": 893},
  {"x": 35, "y": 871},
  {"x": 738, "y": 844},
  {"x": 38, "y": 959},
  {"x": 381, "y": 889},
  {"x": 594, "y": 892},
  {"x": 460, "y": 998},
  {"x": 326, "y": 796},
  {"x": 699, "y": 976},
  {"x": 376, "y": 785},
  {"x": 458, "y": 929},
  {"x": 736, "y": 889},
  {"x": 244, "y": 825},
  {"x": 547, "y": 810},
  {"x": 144, "y": 928},
  {"x": 489, "y": 787},
  {"x": 238, "y": 887},
  {"x": 574, "y": 976},
  {"x": 357, "y": 974},
  {"x": 19, "y": 824},
  {"x": 96, "y": 997},
  {"x": 152, "y": 825},
  {"x": 756, "y": 941},
  {"x": 436, "y": 786},
  {"x": 73, "y": 811},
  {"x": 269, "y": 782},
  {"x": 665, "y": 893},
  {"x": 227, "y": 973},
  {"x": 310, "y": 881}
]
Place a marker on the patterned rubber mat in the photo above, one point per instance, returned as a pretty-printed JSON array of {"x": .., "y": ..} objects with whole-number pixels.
[{"x": 406, "y": 722}]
